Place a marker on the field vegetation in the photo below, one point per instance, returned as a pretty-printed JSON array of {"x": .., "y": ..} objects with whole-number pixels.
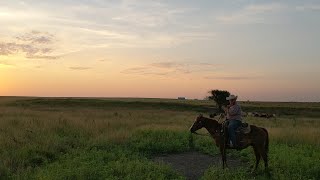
[{"x": 96, "y": 138}]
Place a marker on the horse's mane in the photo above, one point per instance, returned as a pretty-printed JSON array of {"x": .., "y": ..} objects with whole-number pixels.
[{"x": 211, "y": 121}]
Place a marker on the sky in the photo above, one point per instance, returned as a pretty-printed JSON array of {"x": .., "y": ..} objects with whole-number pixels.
[{"x": 258, "y": 50}]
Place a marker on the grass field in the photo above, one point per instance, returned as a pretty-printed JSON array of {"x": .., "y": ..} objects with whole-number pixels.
[{"x": 83, "y": 138}]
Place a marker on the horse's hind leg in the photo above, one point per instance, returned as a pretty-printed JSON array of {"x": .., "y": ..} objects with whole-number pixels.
[
  {"x": 225, "y": 159},
  {"x": 224, "y": 164},
  {"x": 258, "y": 156},
  {"x": 265, "y": 159}
]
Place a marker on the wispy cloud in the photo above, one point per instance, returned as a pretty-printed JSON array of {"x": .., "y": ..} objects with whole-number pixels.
[
  {"x": 105, "y": 24},
  {"x": 314, "y": 7},
  {"x": 42, "y": 57},
  {"x": 149, "y": 14},
  {"x": 36, "y": 37},
  {"x": 251, "y": 14},
  {"x": 263, "y": 8},
  {"x": 80, "y": 68},
  {"x": 6, "y": 63},
  {"x": 233, "y": 78},
  {"x": 170, "y": 68},
  {"x": 166, "y": 65},
  {"x": 145, "y": 71},
  {"x": 104, "y": 60},
  {"x": 34, "y": 45}
]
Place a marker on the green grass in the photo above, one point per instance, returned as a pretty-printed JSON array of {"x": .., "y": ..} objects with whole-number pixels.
[
  {"x": 278, "y": 108},
  {"x": 117, "y": 163},
  {"x": 177, "y": 105},
  {"x": 67, "y": 138},
  {"x": 286, "y": 162}
]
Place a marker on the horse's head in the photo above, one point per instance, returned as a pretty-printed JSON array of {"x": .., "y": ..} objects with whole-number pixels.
[
  {"x": 198, "y": 124},
  {"x": 211, "y": 125}
]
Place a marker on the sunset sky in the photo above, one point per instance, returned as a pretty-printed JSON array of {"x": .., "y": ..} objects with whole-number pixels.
[{"x": 259, "y": 50}]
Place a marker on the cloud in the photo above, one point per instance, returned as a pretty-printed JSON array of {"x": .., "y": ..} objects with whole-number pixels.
[
  {"x": 262, "y": 8},
  {"x": 170, "y": 68},
  {"x": 36, "y": 37},
  {"x": 130, "y": 24},
  {"x": 104, "y": 60},
  {"x": 104, "y": 24},
  {"x": 43, "y": 57},
  {"x": 149, "y": 14},
  {"x": 145, "y": 70},
  {"x": 165, "y": 64},
  {"x": 251, "y": 14},
  {"x": 29, "y": 49},
  {"x": 315, "y": 7},
  {"x": 6, "y": 63},
  {"x": 34, "y": 45},
  {"x": 9, "y": 48},
  {"x": 80, "y": 68},
  {"x": 232, "y": 78}
]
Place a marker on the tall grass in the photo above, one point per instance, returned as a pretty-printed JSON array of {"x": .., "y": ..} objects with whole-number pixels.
[{"x": 39, "y": 138}]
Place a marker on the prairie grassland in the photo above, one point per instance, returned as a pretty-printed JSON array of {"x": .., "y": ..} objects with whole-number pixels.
[{"x": 72, "y": 138}]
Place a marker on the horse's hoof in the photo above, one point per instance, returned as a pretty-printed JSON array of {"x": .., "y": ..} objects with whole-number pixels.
[
  {"x": 253, "y": 172},
  {"x": 267, "y": 172}
]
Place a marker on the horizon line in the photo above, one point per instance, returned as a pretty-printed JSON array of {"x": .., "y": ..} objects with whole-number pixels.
[{"x": 197, "y": 99}]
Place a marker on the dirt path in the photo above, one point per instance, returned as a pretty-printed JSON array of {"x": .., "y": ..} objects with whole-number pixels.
[{"x": 194, "y": 164}]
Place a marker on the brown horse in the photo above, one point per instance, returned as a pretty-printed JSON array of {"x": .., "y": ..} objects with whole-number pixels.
[{"x": 257, "y": 138}]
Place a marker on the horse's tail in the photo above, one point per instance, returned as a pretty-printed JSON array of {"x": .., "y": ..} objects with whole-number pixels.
[{"x": 267, "y": 140}]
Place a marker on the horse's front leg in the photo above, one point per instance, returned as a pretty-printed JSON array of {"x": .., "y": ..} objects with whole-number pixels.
[{"x": 223, "y": 156}]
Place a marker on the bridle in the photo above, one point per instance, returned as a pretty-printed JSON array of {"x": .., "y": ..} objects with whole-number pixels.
[{"x": 217, "y": 132}]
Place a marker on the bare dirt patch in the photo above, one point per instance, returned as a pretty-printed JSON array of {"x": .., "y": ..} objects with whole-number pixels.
[{"x": 193, "y": 164}]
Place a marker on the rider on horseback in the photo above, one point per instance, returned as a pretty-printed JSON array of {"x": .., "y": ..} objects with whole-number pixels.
[{"x": 233, "y": 112}]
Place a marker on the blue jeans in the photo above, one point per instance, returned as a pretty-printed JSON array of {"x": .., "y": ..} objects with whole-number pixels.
[{"x": 233, "y": 125}]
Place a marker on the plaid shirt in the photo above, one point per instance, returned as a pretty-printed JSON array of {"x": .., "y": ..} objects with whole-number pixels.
[{"x": 234, "y": 112}]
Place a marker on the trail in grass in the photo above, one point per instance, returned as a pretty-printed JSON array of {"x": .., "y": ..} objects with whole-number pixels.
[{"x": 193, "y": 164}]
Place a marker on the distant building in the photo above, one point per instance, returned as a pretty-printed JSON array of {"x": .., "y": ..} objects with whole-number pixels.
[{"x": 181, "y": 98}]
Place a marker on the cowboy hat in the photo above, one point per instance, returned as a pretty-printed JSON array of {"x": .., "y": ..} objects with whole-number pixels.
[{"x": 231, "y": 97}]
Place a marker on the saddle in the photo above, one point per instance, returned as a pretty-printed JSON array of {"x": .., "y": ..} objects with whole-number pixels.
[
  {"x": 244, "y": 128},
  {"x": 241, "y": 130}
]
